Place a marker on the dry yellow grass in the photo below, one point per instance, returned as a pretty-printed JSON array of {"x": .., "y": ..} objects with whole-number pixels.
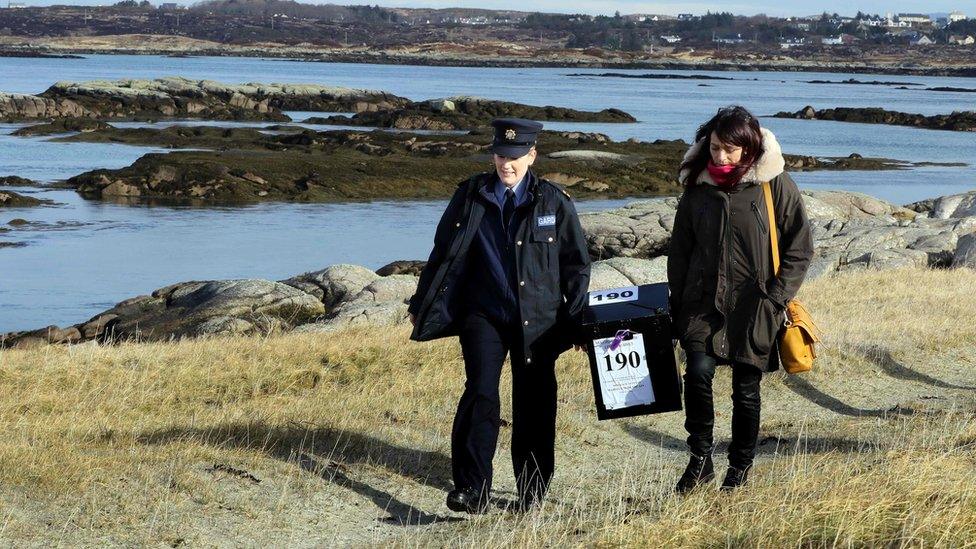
[{"x": 343, "y": 439}]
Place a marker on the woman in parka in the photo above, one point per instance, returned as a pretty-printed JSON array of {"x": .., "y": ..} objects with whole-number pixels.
[{"x": 726, "y": 303}]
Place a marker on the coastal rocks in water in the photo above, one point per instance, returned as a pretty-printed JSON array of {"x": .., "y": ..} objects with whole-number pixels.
[
  {"x": 64, "y": 125},
  {"x": 192, "y": 309},
  {"x": 957, "y": 121},
  {"x": 14, "y": 181},
  {"x": 15, "y": 107},
  {"x": 628, "y": 245},
  {"x": 863, "y": 82},
  {"x": 800, "y": 163},
  {"x": 10, "y": 199},
  {"x": 652, "y": 76},
  {"x": 185, "y": 98},
  {"x": 352, "y": 165},
  {"x": 461, "y": 113},
  {"x": 587, "y": 155}
]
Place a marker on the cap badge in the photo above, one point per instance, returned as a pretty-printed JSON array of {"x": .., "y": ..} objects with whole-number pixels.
[{"x": 510, "y": 134}]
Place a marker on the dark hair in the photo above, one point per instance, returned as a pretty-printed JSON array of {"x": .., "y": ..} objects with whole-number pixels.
[{"x": 734, "y": 125}]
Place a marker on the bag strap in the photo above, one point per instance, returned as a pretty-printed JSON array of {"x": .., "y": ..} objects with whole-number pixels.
[{"x": 771, "y": 217}]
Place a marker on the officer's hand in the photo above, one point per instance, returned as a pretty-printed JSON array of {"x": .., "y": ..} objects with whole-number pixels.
[{"x": 413, "y": 320}]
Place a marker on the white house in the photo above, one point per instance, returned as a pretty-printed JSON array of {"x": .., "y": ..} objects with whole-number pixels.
[
  {"x": 671, "y": 38},
  {"x": 915, "y": 19},
  {"x": 957, "y": 16},
  {"x": 922, "y": 40},
  {"x": 788, "y": 43},
  {"x": 962, "y": 40}
]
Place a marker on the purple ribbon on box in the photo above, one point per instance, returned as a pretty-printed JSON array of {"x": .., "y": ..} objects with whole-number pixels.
[{"x": 618, "y": 338}]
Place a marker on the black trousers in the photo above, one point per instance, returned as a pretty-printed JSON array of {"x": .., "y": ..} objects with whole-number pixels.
[
  {"x": 700, "y": 411},
  {"x": 484, "y": 344}
]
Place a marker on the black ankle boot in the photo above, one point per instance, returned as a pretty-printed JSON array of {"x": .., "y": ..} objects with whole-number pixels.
[
  {"x": 734, "y": 478},
  {"x": 699, "y": 471}
]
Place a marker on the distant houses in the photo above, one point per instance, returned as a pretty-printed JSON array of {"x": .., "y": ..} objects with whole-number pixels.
[
  {"x": 915, "y": 19},
  {"x": 962, "y": 40},
  {"x": 840, "y": 40},
  {"x": 922, "y": 40},
  {"x": 788, "y": 43},
  {"x": 730, "y": 39}
]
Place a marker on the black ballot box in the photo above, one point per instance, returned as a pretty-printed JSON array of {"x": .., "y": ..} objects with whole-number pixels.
[{"x": 633, "y": 359}]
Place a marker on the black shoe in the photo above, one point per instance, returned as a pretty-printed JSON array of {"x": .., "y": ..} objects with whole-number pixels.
[
  {"x": 699, "y": 471},
  {"x": 467, "y": 501},
  {"x": 734, "y": 478}
]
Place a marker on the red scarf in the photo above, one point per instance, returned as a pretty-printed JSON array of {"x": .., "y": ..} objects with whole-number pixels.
[{"x": 722, "y": 175}]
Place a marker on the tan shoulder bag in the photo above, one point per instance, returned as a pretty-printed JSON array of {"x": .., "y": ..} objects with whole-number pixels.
[{"x": 798, "y": 335}]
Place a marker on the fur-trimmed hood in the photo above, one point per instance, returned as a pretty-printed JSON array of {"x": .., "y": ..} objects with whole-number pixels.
[{"x": 770, "y": 164}]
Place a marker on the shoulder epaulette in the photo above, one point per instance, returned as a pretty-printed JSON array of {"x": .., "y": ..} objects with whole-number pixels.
[{"x": 557, "y": 187}]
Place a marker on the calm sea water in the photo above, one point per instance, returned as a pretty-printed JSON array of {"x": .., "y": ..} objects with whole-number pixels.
[{"x": 83, "y": 256}]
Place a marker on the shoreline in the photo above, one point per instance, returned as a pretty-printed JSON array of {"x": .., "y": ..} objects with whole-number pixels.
[{"x": 540, "y": 59}]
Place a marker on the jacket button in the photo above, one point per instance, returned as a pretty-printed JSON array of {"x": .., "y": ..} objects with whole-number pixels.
[
  {"x": 550, "y": 239},
  {"x": 522, "y": 283},
  {"x": 519, "y": 243},
  {"x": 457, "y": 224},
  {"x": 528, "y": 361},
  {"x": 526, "y": 323}
]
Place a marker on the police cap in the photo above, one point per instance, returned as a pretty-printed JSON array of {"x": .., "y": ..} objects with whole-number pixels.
[{"x": 514, "y": 137}]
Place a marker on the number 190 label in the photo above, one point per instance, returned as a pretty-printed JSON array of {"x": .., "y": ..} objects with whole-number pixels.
[
  {"x": 623, "y": 373},
  {"x": 613, "y": 295}
]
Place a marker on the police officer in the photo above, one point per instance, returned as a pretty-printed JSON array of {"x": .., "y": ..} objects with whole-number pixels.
[{"x": 508, "y": 274}]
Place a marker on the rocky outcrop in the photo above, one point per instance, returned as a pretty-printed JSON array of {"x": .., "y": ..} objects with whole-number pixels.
[
  {"x": 640, "y": 229},
  {"x": 462, "y": 113},
  {"x": 10, "y": 199},
  {"x": 957, "y": 121},
  {"x": 320, "y": 301},
  {"x": 63, "y": 125},
  {"x": 627, "y": 271},
  {"x": 851, "y": 230},
  {"x": 411, "y": 267},
  {"x": 17, "y": 106},
  {"x": 191, "y": 309},
  {"x": 242, "y": 164},
  {"x": 14, "y": 181},
  {"x": 185, "y": 98}
]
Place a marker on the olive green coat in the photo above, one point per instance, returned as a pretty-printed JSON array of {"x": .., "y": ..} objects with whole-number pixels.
[{"x": 725, "y": 299}]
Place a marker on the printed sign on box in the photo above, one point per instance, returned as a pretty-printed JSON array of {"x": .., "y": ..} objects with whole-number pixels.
[{"x": 624, "y": 378}]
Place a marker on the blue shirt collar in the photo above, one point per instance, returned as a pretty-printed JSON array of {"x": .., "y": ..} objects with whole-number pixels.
[{"x": 519, "y": 190}]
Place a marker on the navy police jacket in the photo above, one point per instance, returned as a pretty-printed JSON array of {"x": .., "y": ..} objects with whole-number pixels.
[{"x": 551, "y": 260}]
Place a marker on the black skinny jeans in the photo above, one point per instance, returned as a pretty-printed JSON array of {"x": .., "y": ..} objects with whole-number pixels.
[{"x": 700, "y": 411}]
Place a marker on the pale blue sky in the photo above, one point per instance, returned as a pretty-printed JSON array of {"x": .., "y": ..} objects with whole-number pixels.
[{"x": 770, "y": 7}]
